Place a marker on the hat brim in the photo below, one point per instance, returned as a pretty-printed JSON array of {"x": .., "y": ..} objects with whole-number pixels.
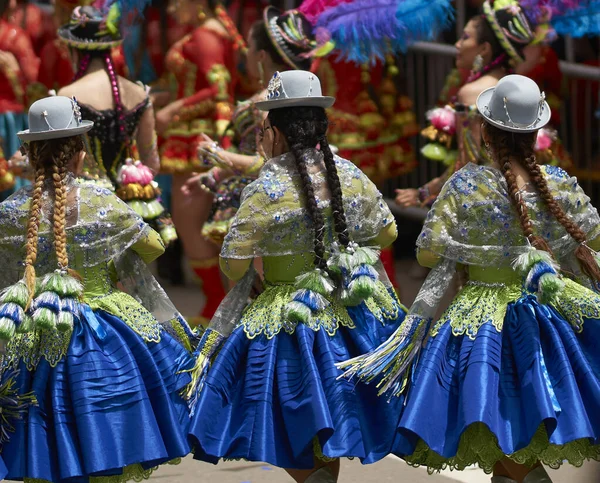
[
  {"x": 483, "y": 101},
  {"x": 322, "y": 101},
  {"x": 66, "y": 35},
  {"x": 27, "y": 135}
]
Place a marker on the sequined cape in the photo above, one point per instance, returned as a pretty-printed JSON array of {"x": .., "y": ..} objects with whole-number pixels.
[
  {"x": 101, "y": 230},
  {"x": 473, "y": 223},
  {"x": 272, "y": 219}
]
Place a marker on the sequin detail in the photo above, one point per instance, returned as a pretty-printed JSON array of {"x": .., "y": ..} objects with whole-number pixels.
[
  {"x": 265, "y": 315},
  {"x": 384, "y": 305},
  {"x": 131, "y": 312}
]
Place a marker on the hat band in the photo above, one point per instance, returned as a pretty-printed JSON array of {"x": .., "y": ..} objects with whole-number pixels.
[
  {"x": 75, "y": 115},
  {"x": 510, "y": 122}
]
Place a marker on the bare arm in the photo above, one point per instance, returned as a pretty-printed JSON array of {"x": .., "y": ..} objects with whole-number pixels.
[{"x": 146, "y": 140}]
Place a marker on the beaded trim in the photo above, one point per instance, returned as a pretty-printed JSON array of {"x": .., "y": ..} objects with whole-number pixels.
[
  {"x": 279, "y": 42},
  {"x": 502, "y": 34},
  {"x": 479, "y": 283}
]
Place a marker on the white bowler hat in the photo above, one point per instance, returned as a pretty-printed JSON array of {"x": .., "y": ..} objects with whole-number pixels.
[
  {"x": 294, "y": 88},
  {"x": 53, "y": 118},
  {"x": 515, "y": 104}
]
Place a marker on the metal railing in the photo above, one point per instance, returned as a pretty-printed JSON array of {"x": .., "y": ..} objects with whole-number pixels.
[{"x": 428, "y": 63}]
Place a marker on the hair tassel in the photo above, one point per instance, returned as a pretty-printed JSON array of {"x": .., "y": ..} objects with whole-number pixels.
[
  {"x": 57, "y": 301},
  {"x": 542, "y": 274},
  {"x": 312, "y": 288},
  {"x": 13, "y": 303}
]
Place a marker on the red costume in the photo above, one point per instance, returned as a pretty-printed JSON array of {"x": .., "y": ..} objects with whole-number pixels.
[
  {"x": 37, "y": 23},
  {"x": 13, "y": 84},
  {"x": 370, "y": 122},
  {"x": 203, "y": 64}
]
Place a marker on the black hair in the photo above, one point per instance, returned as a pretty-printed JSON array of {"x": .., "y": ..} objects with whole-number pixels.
[
  {"x": 486, "y": 34},
  {"x": 304, "y": 128}
]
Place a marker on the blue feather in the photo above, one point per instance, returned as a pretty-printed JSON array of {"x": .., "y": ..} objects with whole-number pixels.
[
  {"x": 367, "y": 30},
  {"x": 579, "y": 21}
]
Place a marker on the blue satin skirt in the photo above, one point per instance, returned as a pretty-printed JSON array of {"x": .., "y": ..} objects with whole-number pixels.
[
  {"x": 112, "y": 402},
  {"x": 280, "y": 401},
  {"x": 531, "y": 388}
]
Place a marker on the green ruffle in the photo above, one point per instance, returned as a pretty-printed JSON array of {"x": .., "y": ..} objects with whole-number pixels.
[
  {"x": 478, "y": 445},
  {"x": 131, "y": 312},
  {"x": 576, "y": 303},
  {"x": 130, "y": 473},
  {"x": 266, "y": 314},
  {"x": 383, "y": 305},
  {"x": 478, "y": 303},
  {"x": 53, "y": 345}
]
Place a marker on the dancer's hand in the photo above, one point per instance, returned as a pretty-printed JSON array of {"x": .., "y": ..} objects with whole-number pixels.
[
  {"x": 9, "y": 62},
  {"x": 199, "y": 184},
  {"x": 207, "y": 148},
  {"x": 407, "y": 198},
  {"x": 166, "y": 115}
]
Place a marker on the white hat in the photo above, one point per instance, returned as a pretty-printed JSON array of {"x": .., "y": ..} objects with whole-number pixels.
[
  {"x": 294, "y": 88},
  {"x": 515, "y": 104},
  {"x": 54, "y": 117}
]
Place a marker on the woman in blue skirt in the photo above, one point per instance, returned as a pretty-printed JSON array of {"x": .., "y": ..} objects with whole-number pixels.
[{"x": 509, "y": 378}]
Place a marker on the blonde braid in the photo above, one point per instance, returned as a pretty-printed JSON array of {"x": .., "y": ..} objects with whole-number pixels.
[
  {"x": 33, "y": 226},
  {"x": 59, "y": 222},
  {"x": 49, "y": 158}
]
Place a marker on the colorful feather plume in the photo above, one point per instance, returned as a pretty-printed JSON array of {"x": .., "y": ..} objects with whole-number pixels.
[
  {"x": 312, "y": 9},
  {"x": 366, "y": 30},
  {"x": 568, "y": 17}
]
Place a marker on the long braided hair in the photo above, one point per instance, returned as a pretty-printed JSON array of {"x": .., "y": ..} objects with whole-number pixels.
[
  {"x": 50, "y": 160},
  {"x": 510, "y": 148},
  {"x": 306, "y": 128}
]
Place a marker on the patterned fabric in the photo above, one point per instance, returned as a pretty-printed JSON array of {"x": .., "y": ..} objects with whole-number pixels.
[
  {"x": 202, "y": 66},
  {"x": 272, "y": 221},
  {"x": 109, "y": 146},
  {"x": 496, "y": 345}
]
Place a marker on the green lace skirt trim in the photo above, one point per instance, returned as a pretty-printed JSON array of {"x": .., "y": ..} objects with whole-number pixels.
[
  {"x": 130, "y": 473},
  {"x": 53, "y": 345},
  {"x": 478, "y": 445},
  {"x": 131, "y": 312},
  {"x": 476, "y": 304},
  {"x": 266, "y": 315},
  {"x": 383, "y": 305}
]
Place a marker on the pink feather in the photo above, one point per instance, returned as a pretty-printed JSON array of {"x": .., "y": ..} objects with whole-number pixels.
[{"x": 313, "y": 8}]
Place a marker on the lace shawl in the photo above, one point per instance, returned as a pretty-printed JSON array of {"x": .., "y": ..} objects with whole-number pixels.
[
  {"x": 100, "y": 229},
  {"x": 473, "y": 222},
  {"x": 272, "y": 219}
]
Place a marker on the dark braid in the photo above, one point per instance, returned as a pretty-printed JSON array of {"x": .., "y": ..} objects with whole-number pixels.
[
  {"x": 337, "y": 202},
  {"x": 304, "y": 128},
  {"x": 520, "y": 147}
]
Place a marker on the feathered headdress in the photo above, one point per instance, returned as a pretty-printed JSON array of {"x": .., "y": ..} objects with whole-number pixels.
[
  {"x": 569, "y": 17},
  {"x": 367, "y": 30}
]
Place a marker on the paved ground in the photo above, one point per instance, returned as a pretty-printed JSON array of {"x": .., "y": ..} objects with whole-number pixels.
[{"x": 391, "y": 469}]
